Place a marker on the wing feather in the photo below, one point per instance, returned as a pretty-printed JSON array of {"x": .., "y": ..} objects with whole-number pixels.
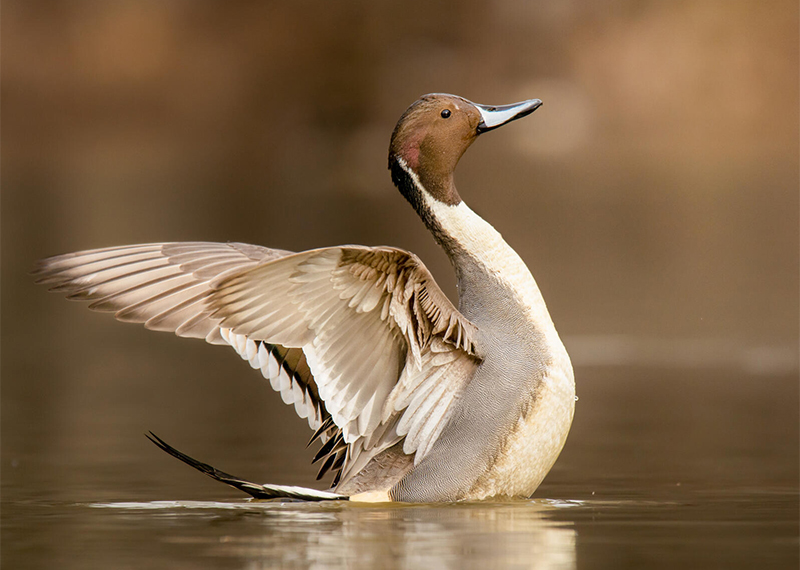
[
  {"x": 360, "y": 336},
  {"x": 382, "y": 340}
]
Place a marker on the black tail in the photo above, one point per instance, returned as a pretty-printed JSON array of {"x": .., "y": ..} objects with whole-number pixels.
[{"x": 253, "y": 489}]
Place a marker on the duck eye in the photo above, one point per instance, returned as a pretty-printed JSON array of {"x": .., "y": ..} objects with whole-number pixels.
[{"x": 445, "y": 113}]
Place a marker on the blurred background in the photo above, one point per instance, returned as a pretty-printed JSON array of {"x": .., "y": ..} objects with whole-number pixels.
[{"x": 654, "y": 197}]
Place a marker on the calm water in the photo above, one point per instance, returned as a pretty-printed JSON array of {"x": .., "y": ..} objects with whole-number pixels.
[
  {"x": 665, "y": 468},
  {"x": 745, "y": 529},
  {"x": 723, "y": 529}
]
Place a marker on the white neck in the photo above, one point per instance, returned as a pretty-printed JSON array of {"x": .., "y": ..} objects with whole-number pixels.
[
  {"x": 499, "y": 268},
  {"x": 488, "y": 249}
]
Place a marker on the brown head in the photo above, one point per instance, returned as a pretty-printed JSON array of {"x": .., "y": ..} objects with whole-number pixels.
[{"x": 431, "y": 136}]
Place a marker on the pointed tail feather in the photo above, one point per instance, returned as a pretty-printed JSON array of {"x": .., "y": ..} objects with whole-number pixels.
[{"x": 253, "y": 489}]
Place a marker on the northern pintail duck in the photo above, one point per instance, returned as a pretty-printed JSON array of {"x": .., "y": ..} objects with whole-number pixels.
[{"x": 413, "y": 399}]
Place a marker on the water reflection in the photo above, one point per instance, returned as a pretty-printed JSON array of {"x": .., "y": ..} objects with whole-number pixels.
[{"x": 335, "y": 535}]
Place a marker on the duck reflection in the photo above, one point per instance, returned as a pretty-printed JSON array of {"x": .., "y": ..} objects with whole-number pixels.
[{"x": 518, "y": 534}]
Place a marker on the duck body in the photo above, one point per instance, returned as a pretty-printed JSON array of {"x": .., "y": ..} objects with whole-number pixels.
[
  {"x": 515, "y": 413},
  {"x": 413, "y": 399}
]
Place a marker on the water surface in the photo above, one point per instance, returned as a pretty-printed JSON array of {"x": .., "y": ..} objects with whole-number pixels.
[{"x": 664, "y": 468}]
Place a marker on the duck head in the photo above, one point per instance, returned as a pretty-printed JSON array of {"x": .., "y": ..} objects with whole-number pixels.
[{"x": 433, "y": 134}]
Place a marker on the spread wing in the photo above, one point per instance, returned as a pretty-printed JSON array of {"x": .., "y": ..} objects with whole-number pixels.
[
  {"x": 361, "y": 340},
  {"x": 163, "y": 285}
]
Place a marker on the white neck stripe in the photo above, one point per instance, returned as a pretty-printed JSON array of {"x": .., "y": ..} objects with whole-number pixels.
[{"x": 484, "y": 244}]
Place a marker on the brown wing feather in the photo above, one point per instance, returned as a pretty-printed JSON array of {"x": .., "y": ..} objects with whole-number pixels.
[{"x": 358, "y": 339}]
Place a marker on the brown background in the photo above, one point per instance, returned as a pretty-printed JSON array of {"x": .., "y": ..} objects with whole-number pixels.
[{"x": 654, "y": 196}]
